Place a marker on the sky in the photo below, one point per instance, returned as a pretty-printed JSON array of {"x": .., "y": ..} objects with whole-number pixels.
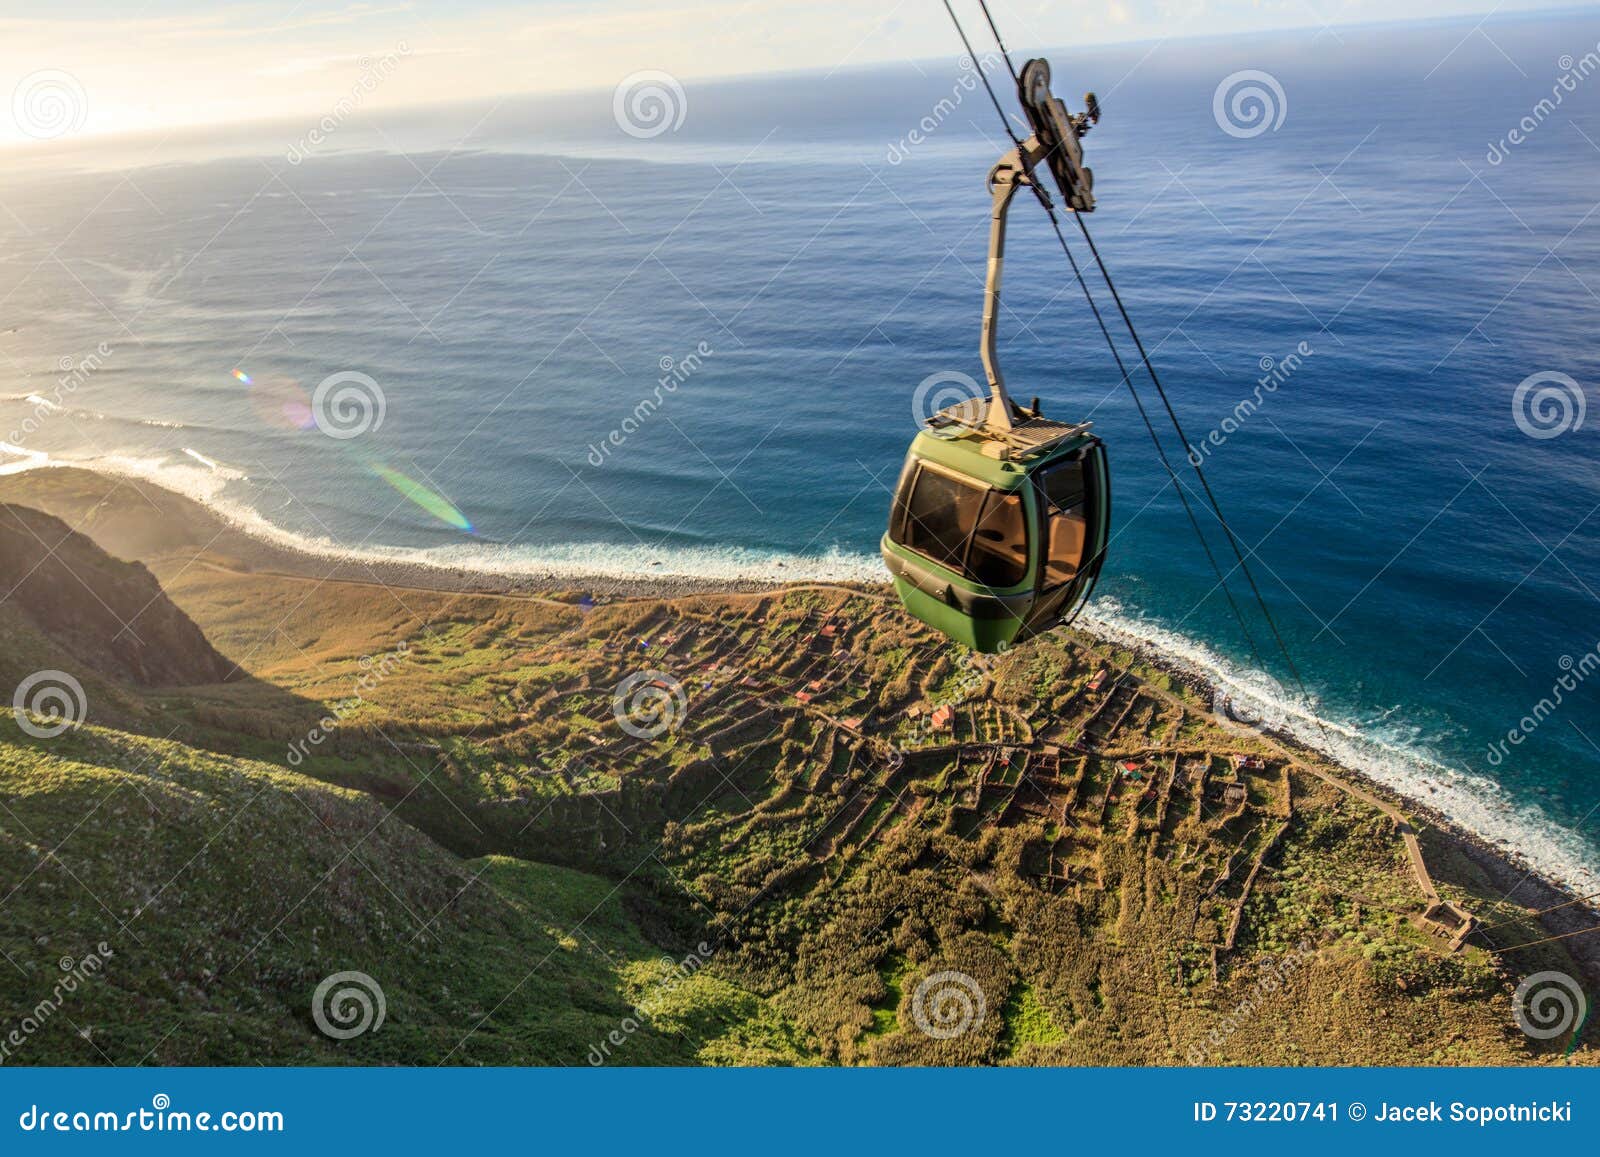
[{"x": 83, "y": 68}]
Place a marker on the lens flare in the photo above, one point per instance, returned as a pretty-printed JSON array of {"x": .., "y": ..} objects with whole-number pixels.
[
  {"x": 244, "y": 377},
  {"x": 418, "y": 494},
  {"x": 281, "y": 402}
]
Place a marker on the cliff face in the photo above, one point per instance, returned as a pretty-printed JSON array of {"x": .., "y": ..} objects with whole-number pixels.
[{"x": 107, "y": 615}]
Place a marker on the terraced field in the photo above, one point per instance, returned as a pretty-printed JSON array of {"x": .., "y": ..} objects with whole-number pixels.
[{"x": 868, "y": 846}]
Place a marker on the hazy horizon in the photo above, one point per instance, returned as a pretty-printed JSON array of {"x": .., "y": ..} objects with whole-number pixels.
[{"x": 199, "y": 71}]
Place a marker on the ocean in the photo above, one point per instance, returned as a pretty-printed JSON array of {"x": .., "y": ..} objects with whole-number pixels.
[{"x": 523, "y": 338}]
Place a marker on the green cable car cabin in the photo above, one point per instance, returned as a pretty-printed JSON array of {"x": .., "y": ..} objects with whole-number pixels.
[
  {"x": 992, "y": 541},
  {"x": 999, "y": 524}
]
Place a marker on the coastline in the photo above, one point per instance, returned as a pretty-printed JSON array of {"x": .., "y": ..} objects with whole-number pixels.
[{"x": 185, "y": 530}]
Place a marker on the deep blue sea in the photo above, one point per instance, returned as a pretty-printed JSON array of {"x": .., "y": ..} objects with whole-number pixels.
[{"x": 802, "y": 251}]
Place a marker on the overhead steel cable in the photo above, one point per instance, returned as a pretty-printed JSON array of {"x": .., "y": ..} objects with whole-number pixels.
[
  {"x": 1550, "y": 939},
  {"x": 1149, "y": 367},
  {"x": 1535, "y": 915},
  {"x": 1094, "y": 307}
]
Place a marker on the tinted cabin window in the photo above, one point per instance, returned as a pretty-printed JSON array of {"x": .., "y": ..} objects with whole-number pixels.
[
  {"x": 940, "y": 516},
  {"x": 999, "y": 555},
  {"x": 1065, "y": 527}
]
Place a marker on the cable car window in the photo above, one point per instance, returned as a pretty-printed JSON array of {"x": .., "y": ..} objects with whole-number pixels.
[
  {"x": 939, "y": 517},
  {"x": 902, "y": 496},
  {"x": 999, "y": 555},
  {"x": 1063, "y": 484},
  {"x": 1065, "y": 526}
]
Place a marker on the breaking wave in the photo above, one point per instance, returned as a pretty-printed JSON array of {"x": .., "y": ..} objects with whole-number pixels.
[{"x": 1382, "y": 748}]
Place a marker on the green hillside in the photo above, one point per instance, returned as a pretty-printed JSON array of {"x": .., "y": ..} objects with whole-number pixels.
[
  {"x": 894, "y": 852},
  {"x": 227, "y": 890}
]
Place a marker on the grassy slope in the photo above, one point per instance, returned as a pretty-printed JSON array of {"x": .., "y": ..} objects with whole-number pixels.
[
  {"x": 227, "y": 889},
  {"x": 836, "y": 889}
]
